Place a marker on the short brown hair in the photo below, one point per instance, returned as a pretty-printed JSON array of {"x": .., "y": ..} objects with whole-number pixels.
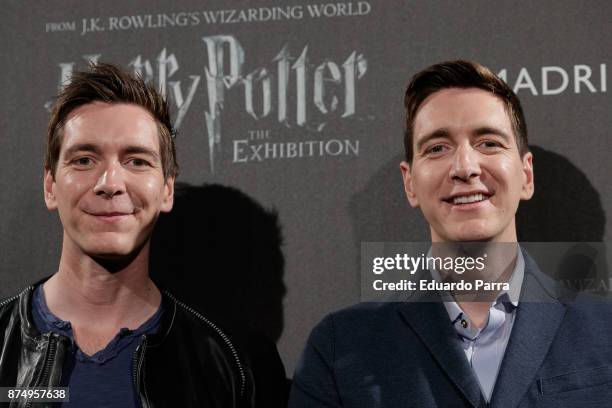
[
  {"x": 461, "y": 74},
  {"x": 109, "y": 84}
]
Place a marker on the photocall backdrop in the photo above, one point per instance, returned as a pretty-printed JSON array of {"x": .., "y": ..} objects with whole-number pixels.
[{"x": 295, "y": 108}]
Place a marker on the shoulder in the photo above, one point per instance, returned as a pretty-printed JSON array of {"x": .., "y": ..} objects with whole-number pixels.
[
  {"x": 356, "y": 324},
  {"x": 10, "y": 316},
  {"x": 583, "y": 332},
  {"x": 8, "y": 308},
  {"x": 589, "y": 315},
  {"x": 11, "y": 305},
  {"x": 362, "y": 313},
  {"x": 190, "y": 321},
  {"x": 187, "y": 324},
  {"x": 359, "y": 339},
  {"x": 188, "y": 335}
]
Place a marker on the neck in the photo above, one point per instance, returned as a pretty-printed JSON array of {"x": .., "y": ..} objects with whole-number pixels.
[
  {"x": 84, "y": 291},
  {"x": 501, "y": 252}
]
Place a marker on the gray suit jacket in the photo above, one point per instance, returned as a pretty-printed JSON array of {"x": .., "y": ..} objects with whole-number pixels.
[{"x": 400, "y": 355}]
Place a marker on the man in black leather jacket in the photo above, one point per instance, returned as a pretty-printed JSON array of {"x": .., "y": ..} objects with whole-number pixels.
[{"x": 99, "y": 325}]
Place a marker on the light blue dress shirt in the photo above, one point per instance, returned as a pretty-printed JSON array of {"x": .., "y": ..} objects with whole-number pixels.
[{"x": 485, "y": 347}]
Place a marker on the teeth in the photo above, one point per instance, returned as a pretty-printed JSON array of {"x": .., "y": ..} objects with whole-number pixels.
[{"x": 469, "y": 199}]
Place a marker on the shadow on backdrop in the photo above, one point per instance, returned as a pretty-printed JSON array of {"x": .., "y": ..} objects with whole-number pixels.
[
  {"x": 565, "y": 208},
  {"x": 219, "y": 251},
  {"x": 381, "y": 213}
]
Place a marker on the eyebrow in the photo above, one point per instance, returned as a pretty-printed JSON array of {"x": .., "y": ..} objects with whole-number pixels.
[
  {"x": 88, "y": 147},
  {"x": 141, "y": 150},
  {"x": 444, "y": 133},
  {"x": 490, "y": 130},
  {"x": 82, "y": 147}
]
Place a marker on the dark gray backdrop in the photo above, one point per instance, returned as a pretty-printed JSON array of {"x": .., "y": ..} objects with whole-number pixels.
[{"x": 327, "y": 204}]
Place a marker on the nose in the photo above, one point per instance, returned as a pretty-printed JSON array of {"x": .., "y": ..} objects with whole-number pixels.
[
  {"x": 465, "y": 164},
  {"x": 111, "y": 182}
]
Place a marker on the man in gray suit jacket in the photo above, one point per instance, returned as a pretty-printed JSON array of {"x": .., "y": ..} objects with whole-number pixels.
[{"x": 467, "y": 168}]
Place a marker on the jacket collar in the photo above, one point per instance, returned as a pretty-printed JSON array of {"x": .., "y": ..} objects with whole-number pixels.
[{"x": 167, "y": 319}]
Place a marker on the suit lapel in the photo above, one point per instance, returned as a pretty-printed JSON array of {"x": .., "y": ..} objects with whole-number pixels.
[
  {"x": 532, "y": 334},
  {"x": 431, "y": 323}
]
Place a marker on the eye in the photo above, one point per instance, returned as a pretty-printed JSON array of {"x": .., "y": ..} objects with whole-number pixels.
[
  {"x": 490, "y": 144},
  {"x": 435, "y": 149},
  {"x": 138, "y": 162},
  {"x": 83, "y": 161}
]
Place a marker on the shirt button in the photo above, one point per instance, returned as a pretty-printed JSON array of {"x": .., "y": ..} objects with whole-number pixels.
[{"x": 464, "y": 323}]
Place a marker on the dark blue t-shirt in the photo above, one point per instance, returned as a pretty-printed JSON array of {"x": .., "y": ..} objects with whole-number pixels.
[{"x": 104, "y": 379}]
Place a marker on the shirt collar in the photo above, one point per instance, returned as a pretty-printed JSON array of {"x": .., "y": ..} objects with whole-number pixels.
[{"x": 509, "y": 297}]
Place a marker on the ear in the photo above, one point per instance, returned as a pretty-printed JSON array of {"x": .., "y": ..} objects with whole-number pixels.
[
  {"x": 168, "y": 198},
  {"x": 49, "y": 187},
  {"x": 408, "y": 188},
  {"x": 528, "y": 182}
]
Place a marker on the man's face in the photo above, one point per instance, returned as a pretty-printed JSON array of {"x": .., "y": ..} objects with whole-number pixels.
[
  {"x": 467, "y": 175},
  {"x": 109, "y": 185}
]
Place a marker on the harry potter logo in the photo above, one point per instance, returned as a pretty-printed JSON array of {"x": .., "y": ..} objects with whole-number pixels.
[{"x": 325, "y": 89}]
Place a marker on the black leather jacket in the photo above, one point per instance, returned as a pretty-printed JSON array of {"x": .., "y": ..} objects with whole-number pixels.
[{"x": 189, "y": 362}]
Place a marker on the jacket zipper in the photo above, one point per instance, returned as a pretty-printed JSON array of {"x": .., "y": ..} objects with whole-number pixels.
[
  {"x": 221, "y": 334},
  {"x": 137, "y": 361},
  {"x": 44, "y": 375}
]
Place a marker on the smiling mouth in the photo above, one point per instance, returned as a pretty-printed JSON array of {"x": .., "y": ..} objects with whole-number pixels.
[
  {"x": 468, "y": 199},
  {"x": 108, "y": 216}
]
